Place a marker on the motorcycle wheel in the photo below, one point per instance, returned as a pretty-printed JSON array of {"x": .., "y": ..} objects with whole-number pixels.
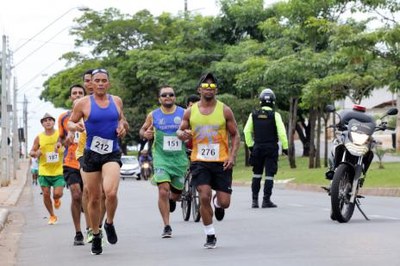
[
  {"x": 195, "y": 204},
  {"x": 186, "y": 201},
  {"x": 342, "y": 183}
]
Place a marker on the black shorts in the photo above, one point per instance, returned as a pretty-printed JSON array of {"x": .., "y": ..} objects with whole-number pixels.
[
  {"x": 265, "y": 157},
  {"x": 213, "y": 174},
  {"x": 81, "y": 162},
  {"x": 93, "y": 161},
  {"x": 72, "y": 176}
]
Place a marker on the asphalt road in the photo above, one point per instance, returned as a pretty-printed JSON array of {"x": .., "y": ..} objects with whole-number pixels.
[{"x": 298, "y": 232}]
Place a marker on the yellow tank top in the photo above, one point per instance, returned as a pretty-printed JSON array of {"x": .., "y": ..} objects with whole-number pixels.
[
  {"x": 50, "y": 162},
  {"x": 81, "y": 145},
  {"x": 210, "y": 138}
]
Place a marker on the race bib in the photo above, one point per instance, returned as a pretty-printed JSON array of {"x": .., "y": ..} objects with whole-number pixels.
[
  {"x": 172, "y": 143},
  {"x": 52, "y": 157},
  {"x": 76, "y": 137},
  {"x": 208, "y": 152},
  {"x": 101, "y": 146}
]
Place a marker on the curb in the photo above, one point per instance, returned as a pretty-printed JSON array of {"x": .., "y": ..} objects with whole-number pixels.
[
  {"x": 3, "y": 217},
  {"x": 12, "y": 192}
]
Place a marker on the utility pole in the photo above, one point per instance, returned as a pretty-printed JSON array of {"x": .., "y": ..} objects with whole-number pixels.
[
  {"x": 185, "y": 9},
  {"x": 25, "y": 118},
  {"x": 15, "y": 142},
  {"x": 4, "y": 181}
]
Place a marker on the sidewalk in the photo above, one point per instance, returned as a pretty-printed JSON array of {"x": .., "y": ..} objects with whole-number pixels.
[{"x": 10, "y": 194}]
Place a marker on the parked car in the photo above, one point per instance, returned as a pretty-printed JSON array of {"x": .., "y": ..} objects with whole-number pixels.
[{"x": 130, "y": 167}]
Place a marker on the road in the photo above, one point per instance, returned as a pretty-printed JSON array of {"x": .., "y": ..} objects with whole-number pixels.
[{"x": 298, "y": 232}]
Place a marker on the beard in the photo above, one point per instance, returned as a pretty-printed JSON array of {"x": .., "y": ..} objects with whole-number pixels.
[{"x": 168, "y": 105}]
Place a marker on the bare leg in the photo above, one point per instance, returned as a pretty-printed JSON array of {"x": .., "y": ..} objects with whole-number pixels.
[
  {"x": 206, "y": 210},
  {"x": 76, "y": 204},
  {"x": 93, "y": 182},
  {"x": 163, "y": 201},
  {"x": 111, "y": 178},
  {"x": 47, "y": 200}
]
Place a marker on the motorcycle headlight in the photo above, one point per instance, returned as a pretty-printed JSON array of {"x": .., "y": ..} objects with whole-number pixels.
[{"x": 359, "y": 138}]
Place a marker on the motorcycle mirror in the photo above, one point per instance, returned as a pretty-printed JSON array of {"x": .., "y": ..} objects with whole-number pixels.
[
  {"x": 330, "y": 108},
  {"x": 392, "y": 111}
]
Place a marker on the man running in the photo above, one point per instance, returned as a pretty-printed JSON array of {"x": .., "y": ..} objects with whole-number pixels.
[
  {"x": 210, "y": 123},
  {"x": 71, "y": 167},
  {"x": 104, "y": 123},
  {"x": 169, "y": 153},
  {"x": 48, "y": 149}
]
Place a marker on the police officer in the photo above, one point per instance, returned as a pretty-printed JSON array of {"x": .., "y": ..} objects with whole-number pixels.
[{"x": 263, "y": 130}]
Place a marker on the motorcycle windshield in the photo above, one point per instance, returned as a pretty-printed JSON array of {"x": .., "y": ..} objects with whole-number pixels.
[{"x": 362, "y": 128}]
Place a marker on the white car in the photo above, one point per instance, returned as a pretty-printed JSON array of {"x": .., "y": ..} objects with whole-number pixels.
[{"x": 130, "y": 166}]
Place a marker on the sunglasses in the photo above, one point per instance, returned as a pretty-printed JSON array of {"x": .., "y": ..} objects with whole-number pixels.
[
  {"x": 99, "y": 70},
  {"x": 164, "y": 95},
  {"x": 208, "y": 85}
]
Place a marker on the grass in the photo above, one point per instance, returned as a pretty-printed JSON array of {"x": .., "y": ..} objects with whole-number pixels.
[{"x": 386, "y": 177}]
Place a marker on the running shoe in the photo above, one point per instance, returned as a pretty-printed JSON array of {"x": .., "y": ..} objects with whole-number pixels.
[
  {"x": 172, "y": 205},
  {"x": 167, "y": 232},
  {"x": 78, "y": 239},
  {"x": 97, "y": 249},
  {"x": 53, "y": 219},
  {"x": 211, "y": 242},
  {"x": 219, "y": 212},
  {"x": 111, "y": 234},
  {"x": 57, "y": 203},
  {"x": 89, "y": 235}
]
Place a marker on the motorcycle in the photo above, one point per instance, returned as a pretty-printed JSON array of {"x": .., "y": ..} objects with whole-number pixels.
[
  {"x": 351, "y": 155},
  {"x": 146, "y": 170}
]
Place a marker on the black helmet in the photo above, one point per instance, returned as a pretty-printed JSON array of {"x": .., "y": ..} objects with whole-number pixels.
[{"x": 267, "y": 98}]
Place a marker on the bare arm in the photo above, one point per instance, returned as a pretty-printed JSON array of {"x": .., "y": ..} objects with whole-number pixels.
[
  {"x": 184, "y": 133},
  {"x": 123, "y": 125},
  {"x": 35, "y": 151},
  {"x": 146, "y": 131},
  {"x": 232, "y": 128},
  {"x": 75, "y": 123}
]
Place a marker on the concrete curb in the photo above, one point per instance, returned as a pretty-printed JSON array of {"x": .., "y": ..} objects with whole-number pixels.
[
  {"x": 11, "y": 193},
  {"x": 3, "y": 217}
]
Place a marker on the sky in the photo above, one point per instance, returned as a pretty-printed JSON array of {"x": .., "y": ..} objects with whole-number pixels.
[{"x": 37, "y": 33}]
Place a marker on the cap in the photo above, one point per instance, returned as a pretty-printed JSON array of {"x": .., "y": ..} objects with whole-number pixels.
[
  {"x": 208, "y": 75},
  {"x": 47, "y": 115}
]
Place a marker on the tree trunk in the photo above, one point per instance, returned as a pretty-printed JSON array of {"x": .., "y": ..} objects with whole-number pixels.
[
  {"x": 311, "y": 157},
  {"x": 292, "y": 130},
  {"x": 318, "y": 149},
  {"x": 326, "y": 118},
  {"x": 398, "y": 124}
]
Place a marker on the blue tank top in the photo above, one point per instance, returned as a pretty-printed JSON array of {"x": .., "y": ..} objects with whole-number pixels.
[{"x": 101, "y": 127}]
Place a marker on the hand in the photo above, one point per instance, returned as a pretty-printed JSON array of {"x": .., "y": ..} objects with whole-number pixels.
[
  {"x": 149, "y": 133},
  {"x": 185, "y": 135},
  {"x": 285, "y": 152},
  {"x": 121, "y": 131},
  {"x": 80, "y": 127}
]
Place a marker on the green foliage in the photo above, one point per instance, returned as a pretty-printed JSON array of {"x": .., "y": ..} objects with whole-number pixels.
[{"x": 302, "y": 49}]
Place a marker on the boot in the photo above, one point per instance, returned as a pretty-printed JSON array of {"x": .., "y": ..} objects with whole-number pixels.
[
  {"x": 254, "y": 204},
  {"x": 255, "y": 188},
  {"x": 267, "y": 203}
]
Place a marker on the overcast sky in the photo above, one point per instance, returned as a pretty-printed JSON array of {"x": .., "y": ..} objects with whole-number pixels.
[{"x": 35, "y": 61}]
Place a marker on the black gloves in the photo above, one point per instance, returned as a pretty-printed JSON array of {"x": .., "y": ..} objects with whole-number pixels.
[{"x": 285, "y": 152}]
